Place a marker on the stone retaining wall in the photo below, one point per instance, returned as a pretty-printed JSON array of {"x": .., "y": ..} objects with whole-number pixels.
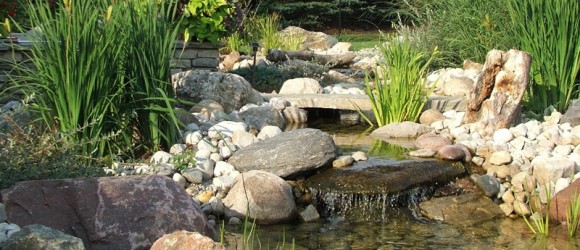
[{"x": 194, "y": 56}]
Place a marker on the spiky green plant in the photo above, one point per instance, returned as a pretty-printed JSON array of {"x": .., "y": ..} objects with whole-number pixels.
[
  {"x": 549, "y": 31},
  {"x": 398, "y": 92},
  {"x": 573, "y": 216},
  {"x": 540, "y": 220}
]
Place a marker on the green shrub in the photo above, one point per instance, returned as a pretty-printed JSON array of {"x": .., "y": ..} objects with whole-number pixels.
[
  {"x": 398, "y": 92},
  {"x": 204, "y": 20},
  {"x": 461, "y": 29},
  {"x": 35, "y": 153},
  {"x": 549, "y": 31}
]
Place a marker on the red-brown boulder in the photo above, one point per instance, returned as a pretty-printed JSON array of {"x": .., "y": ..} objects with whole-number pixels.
[
  {"x": 184, "y": 240},
  {"x": 108, "y": 212},
  {"x": 561, "y": 201}
]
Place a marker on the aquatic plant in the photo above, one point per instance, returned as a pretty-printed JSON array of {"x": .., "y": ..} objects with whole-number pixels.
[
  {"x": 398, "y": 92},
  {"x": 549, "y": 31},
  {"x": 573, "y": 216}
]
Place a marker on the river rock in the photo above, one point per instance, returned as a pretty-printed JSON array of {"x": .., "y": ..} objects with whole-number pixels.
[
  {"x": 288, "y": 154},
  {"x": 7, "y": 230},
  {"x": 243, "y": 138},
  {"x": 500, "y": 158},
  {"x": 312, "y": 40},
  {"x": 404, "y": 129},
  {"x": 430, "y": 116},
  {"x": 488, "y": 184},
  {"x": 301, "y": 86},
  {"x": 451, "y": 152},
  {"x": 91, "y": 209},
  {"x": 343, "y": 161},
  {"x": 458, "y": 86},
  {"x": 431, "y": 141},
  {"x": 268, "y": 197},
  {"x": 423, "y": 153},
  {"x": 359, "y": 156},
  {"x": 502, "y": 135},
  {"x": 268, "y": 132},
  {"x": 295, "y": 115},
  {"x": 262, "y": 116},
  {"x": 466, "y": 209},
  {"x": 572, "y": 115},
  {"x": 309, "y": 214},
  {"x": 550, "y": 169},
  {"x": 37, "y": 236},
  {"x": 561, "y": 201},
  {"x": 185, "y": 240},
  {"x": 161, "y": 157},
  {"x": 225, "y": 129}
]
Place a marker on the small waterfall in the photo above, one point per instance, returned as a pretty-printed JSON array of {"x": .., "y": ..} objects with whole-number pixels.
[{"x": 368, "y": 207}]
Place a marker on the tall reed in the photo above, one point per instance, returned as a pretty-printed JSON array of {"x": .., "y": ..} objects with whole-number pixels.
[
  {"x": 398, "y": 92},
  {"x": 549, "y": 31},
  {"x": 573, "y": 215},
  {"x": 103, "y": 63},
  {"x": 76, "y": 81}
]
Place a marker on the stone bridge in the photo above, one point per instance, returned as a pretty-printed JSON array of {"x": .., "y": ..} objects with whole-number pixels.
[{"x": 346, "y": 102}]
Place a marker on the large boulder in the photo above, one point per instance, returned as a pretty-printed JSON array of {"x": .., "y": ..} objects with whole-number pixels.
[
  {"x": 42, "y": 237},
  {"x": 467, "y": 209},
  {"x": 107, "y": 212},
  {"x": 230, "y": 90},
  {"x": 268, "y": 197},
  {"x": 185, "y": 240},
  {"x": 316, "y": 41},
  {"x": 289, "y": 154},
  {"x": 561, "y": 201},
  {"x": 431, "y": 141},
  {"x": 404, "y": 129}
]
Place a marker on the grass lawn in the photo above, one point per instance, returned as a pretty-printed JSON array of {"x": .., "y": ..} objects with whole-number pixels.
[{"x": 360, "y": 40}]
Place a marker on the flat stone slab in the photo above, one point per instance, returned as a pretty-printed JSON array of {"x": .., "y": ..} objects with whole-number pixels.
[{"x": 346, "y": 102}]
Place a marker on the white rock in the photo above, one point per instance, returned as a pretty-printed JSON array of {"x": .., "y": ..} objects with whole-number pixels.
[
  {"x": 301, "y": 86},
  {"x": 206, "y": 167},
  {"x": 508, "y": 197},
  {"x": 269, "y": 132},
  {"x": 177, "y": 177},
  {"x": 202, "y": 154},
  {"x": 278, "y": 103},
  {"x": 523, "y": 181},
  {"x": 207, "y": 145},
  {"x": 6, "y": 230},
  {"x": 215, "y": 157},
  {"x": 563, "y": 150},
  {"x": 359, "y": 156},
  {"x": 521, "y": 208},
  {"x": 223, "y": 182},
  {"x": 243, "y": 138},
  {"x": 507, "y": 208},
  {"x": 177, "y": 149},
  {"x": 500, "y": 158},
  {"x": 192, "y": 138},
  {"x": 561, "y": 184},
  {"x": 226, "y": 129},
  {"x": 223, "y": 168},
  {"x": 161, "y": 157},
  {"x": 550, "y": 169},
  {"x": 225, "y": 152},
  {"x": 477, "y": 160},
  {"x": 502, "y": 135},
  {"x": 520, "y": 130}
]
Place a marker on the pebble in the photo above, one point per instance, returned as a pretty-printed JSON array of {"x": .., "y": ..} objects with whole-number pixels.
[{"x": 343, "y": 161}]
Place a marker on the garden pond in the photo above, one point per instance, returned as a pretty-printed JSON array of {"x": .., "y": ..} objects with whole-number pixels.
[{"x": 390, "y": 221}]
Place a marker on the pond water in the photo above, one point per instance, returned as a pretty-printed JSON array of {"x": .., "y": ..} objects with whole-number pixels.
[{"x": 396, "y": 227}]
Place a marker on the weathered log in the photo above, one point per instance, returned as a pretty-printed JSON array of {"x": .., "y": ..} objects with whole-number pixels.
[
  {"x": 496, "y": 99},
  {"x": 327, "y": 59}
]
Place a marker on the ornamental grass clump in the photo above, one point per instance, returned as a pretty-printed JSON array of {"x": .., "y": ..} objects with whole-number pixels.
[
  {"x": 549, "y": 31},
  {"x": 104, "y": 64},
  {"x": 398, "y": 92},
  {"x": 573, "y": 216}
]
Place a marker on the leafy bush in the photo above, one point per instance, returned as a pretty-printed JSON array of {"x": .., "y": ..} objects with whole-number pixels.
[
  {"x": 108, "y": 70},
  {"x": 205, "y": 19},
  {"x": 398, "y": 93},
  {"x": 549, "y": 31},
  {"x": 461, "y": 29},
  {"x": 35, "y": 153}
]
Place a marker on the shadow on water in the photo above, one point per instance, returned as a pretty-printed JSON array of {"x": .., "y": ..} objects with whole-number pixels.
[{"x": 363, "y": 207}]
